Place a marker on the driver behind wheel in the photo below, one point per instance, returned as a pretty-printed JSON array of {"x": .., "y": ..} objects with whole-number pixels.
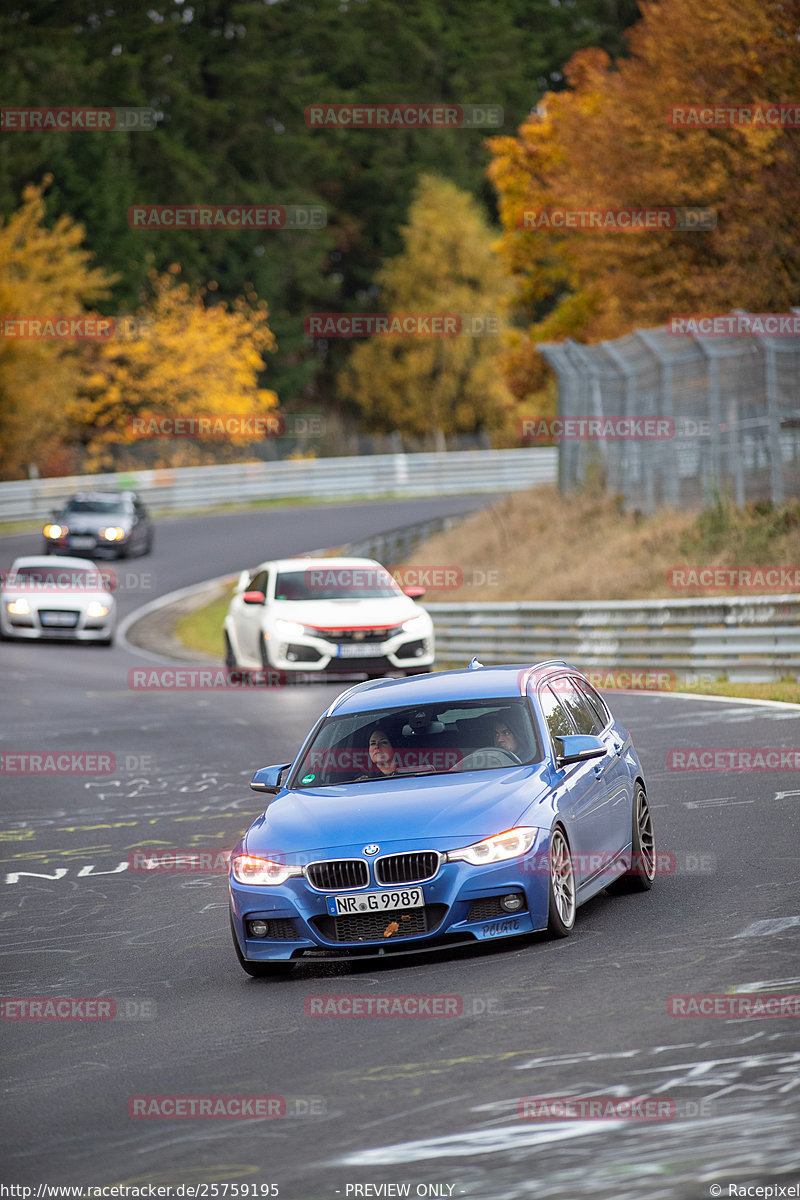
[{"x": 508, "y": 735}]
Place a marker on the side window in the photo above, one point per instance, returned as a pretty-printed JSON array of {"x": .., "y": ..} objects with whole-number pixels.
[
  {"x": 585, "y": 720},
  {"x": 595, "y": 702},
  {"x": 557, "y": 720},
  {"x": 258, "y": 583}
]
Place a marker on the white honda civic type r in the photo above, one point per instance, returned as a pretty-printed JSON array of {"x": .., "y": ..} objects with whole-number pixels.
[{"x": 327, "y": 615}]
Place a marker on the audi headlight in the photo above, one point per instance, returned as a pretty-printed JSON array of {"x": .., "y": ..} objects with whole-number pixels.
[
  {"x": 112, "y": 533},
  {"x": 96, "y": 609},
  {"x": 19, "y": 608},
  {"x": 289, "y": 629},
  {"x": 261, "y": 871},
  {"x": 502, "y": 846}
]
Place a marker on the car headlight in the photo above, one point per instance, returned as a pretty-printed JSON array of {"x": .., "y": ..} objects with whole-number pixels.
[
  {"x": 261, "y": 871},
  {"x": 511, "y": 844},
  {"x": 289, "y": 629},
  {"x": 96, "y": 609},
  {"x": 55, "y": 531},
  {"x": 19, "y": 608},
  {"x": 415, "y": 624},
  {"x": 112, "y": 533}
]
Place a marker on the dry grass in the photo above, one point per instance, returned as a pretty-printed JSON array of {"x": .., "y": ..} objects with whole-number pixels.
[{"x": 537, "y": 545}]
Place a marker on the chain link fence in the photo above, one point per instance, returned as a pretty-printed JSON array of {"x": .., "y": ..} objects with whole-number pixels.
[{"x": 731, "y": 406}]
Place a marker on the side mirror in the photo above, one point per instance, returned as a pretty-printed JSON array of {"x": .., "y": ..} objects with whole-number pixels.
[
  {"x": 416, "y": 593},
  {"x": 268, "y": 779},
  {"x": 579, "y": 747},
  {"x": 253, "y": 597}
]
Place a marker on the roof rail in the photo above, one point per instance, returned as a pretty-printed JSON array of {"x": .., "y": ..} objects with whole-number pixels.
[{"x": 551, "y": 662}]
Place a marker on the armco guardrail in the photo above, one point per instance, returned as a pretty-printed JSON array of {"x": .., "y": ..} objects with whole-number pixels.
[
  {"x": 171, "y": 490},
  {"x": 744, "y": 637}
]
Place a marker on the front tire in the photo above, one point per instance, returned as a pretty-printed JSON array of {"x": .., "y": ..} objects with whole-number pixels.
[
  {"x": 230, "y": 658},
  {"x": 258, "y": 970},
  {"x": 561, "y": 908},
  {"x": 266, "y": 665}
]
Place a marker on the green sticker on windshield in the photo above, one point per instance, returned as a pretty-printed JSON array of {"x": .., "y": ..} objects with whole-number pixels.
[{"x": 308, "y": 778}]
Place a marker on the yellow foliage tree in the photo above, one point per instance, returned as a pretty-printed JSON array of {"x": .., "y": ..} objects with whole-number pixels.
[
  {"x": 606, "y": 142},
  {"x": 419, "y": 385},
  {"x": 185, "y": 358},
  {"x": 44, "y": 273}
]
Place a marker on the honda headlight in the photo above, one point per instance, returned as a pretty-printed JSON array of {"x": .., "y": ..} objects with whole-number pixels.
[
  {"x": 502, "y": 846},
  {"x": 289, "y": 629},
  {"x": 261, "y": 872},
  {"x": 415, "y": 624}
]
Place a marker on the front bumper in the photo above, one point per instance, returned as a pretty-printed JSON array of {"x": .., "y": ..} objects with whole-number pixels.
[
  {"x": 461, "y": 907},
  {"x": 32, "y": 627},
  {"x": 403, "y": 652},
  {"x": 86, "y": 546}
]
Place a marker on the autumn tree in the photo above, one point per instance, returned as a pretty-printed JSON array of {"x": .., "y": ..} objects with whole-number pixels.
[
  {"x": 606, "y": 143},
  {"x": 44, "y": 273},
  {"x": 438, "y": 385},
  {"x": 182, "y": 357}
]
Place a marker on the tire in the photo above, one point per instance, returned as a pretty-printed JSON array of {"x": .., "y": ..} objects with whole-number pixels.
[
  {"x": 642, "y": 873},
  {"x": 561, "y": 891},
  {"x": 258, "y": 970},
  {"x": 266, "y": 665},
  {"x": 230, "y": 658}
]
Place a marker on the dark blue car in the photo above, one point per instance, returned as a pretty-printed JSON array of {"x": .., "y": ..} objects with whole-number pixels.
[{"x": 441, "y": 810}]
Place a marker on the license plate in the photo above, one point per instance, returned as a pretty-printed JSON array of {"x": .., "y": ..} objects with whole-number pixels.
[
  {"x": 359, "y": 650},
  {"x": 82, "y": 543},
  {"x": 365, "y": 902},
  {"x": 57, "y": 618}
]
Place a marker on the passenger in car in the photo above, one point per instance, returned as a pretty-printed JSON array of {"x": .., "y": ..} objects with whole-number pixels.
[{"x": 382, "y": 755}]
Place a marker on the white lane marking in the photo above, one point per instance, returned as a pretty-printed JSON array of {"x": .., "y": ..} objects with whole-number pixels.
[
  {"x": 715, "y": 802},
  {"x": 767, "y": 927},
  {"x": 767, "y": 985}
]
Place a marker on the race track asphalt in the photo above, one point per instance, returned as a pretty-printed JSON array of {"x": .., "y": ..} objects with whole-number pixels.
[{"x": 428, "y": 1104}]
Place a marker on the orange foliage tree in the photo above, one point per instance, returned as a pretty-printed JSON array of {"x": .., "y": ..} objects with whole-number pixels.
[
  {"x": 44, "y": 273},
  {"x": 181, "y": 358},
  {"x": 606, "y": 142}
]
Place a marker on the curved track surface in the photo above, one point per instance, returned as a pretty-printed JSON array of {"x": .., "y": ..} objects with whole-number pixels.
[{"x": 428, "y": 1105}]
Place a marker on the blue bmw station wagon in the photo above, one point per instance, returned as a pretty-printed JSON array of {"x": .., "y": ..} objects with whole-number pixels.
[{"x": 441, "y": 810}]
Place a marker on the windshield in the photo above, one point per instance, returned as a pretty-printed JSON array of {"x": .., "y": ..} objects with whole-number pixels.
[
  {"x": 462, "y": 735},
  {"x": 336, "y": 583},
  {"x": 95, "y": 506}
]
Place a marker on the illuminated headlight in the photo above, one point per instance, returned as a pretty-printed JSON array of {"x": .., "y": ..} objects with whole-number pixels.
[
  {"x": 415, "y": 624},
  {"x": 289, "y": 629},
  {"x": 55, "y": 531},
  {"x": 112, "y": 533},
  {"x": 261, "y": 871},
  {"x": 96, "y": 609},
  {"x": 19, "y": 608},
  {"x": 511, "y": 844}
]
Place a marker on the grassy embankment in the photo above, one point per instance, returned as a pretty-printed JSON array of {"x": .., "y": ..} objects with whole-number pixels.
[{"x": 534, "y": 546}]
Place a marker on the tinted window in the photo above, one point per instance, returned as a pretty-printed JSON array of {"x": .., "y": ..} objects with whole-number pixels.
[
  {"x": 557, "y": 720},
  {"x": 595, "y": 703},
  {"x": 336, "y": 583},
  {"x": 584, "y": 719},
  {"x": 258, "y": 583},
  {"x": 96, "y": 506}
]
